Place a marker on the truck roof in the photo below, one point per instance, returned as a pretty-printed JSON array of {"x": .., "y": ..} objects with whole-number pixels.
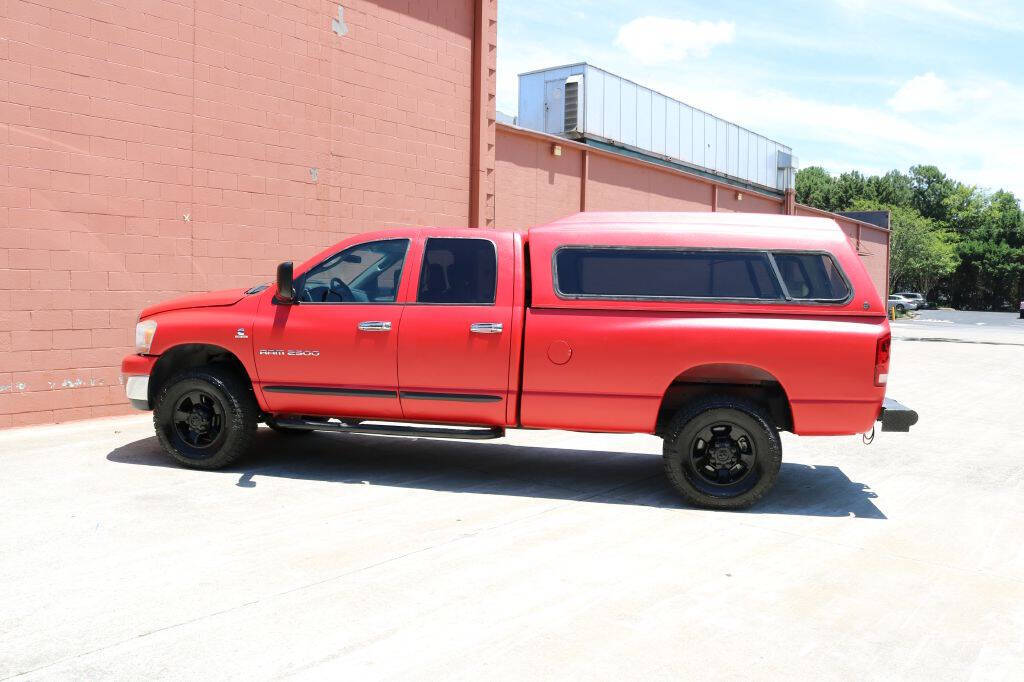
[{"x": 736, "y": 230}]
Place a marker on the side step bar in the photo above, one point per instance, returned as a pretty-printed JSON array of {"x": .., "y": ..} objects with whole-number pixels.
[{"x": 415, "y": 430}]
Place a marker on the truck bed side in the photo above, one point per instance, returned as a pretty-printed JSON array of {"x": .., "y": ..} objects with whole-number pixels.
[{"x": 619, "y": 365}]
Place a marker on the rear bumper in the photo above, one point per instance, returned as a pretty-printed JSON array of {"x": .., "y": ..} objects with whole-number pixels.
[
  {"x": 896, "y": 416},
  {"x": 135, "y": 371}
]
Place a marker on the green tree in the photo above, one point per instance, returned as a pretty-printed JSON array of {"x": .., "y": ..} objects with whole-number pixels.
[
  {"x": 920, "y": 251},
  {"x": 946, "y": 235},
  {"x": 929, "y": 188},
  {"x": 851, "y": 186},
  {"x": 991, "y": 248},
  {"x": 816, "y": 187},
  {"x": 891, "y": 189}
]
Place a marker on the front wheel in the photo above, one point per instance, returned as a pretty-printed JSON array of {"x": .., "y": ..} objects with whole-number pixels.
[
  {"x": 205, "y": 418},
  {"x": 722, "y": 453}
]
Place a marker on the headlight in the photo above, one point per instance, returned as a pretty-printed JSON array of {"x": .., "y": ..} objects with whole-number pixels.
[{"x": 144, "y": 333}]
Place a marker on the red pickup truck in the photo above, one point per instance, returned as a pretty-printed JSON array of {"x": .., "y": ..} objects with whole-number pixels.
[{"x": 713, "y": 331}]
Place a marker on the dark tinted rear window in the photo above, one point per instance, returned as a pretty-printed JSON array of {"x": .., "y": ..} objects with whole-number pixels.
[
  {"x": 664, "y": 273},
  {"x": 811, "y": 276},
  {"x": 458, "y": 271}
]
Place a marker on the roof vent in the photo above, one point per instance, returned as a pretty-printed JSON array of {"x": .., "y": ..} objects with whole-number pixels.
[{"x": 572, "y": 104}]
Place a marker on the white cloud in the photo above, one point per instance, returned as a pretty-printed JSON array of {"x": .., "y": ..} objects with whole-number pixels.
[
  {"x": 922, "y": 93},
  {"x": 931, "y": 93},
  {"x": 980, "y": 145},
  {"x": 659, "y": 40}
]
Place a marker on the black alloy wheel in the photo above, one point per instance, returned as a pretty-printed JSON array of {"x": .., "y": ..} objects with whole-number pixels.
[
  {"x": 722, "y": 454},
  {"x": 199, "y": 421}
]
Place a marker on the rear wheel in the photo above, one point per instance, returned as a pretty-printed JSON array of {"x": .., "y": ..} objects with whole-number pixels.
[
  {"x": 722, "y": 453},
  {"x": 205, "y": 418}
]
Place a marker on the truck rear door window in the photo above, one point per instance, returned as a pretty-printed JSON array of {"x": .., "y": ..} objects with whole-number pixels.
[
  {"x": 651, "y": 273},
  {"x": 458, "y": 271},
  {"x": 811, "y": 277}
]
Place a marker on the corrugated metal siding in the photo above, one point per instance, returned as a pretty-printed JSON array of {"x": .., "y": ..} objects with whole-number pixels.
[{"x": 622, "y": 112}]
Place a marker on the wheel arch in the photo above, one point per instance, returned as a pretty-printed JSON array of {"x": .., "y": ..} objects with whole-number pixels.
[
  {"x": 741, "y": 380},
  {"x": 190, "y": 355}
]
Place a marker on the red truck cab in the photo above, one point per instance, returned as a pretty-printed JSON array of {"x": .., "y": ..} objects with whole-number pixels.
[{"x": 713, "y": 331}]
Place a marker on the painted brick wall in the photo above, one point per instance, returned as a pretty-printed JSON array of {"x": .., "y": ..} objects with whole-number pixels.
[{"x": 150, "y": 148}]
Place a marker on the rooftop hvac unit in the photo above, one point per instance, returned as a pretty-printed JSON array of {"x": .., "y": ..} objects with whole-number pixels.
[{"x": 584, "y": 102}]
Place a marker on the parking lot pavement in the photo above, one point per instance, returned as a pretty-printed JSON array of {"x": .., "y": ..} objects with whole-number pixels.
[
  {"x": 543, "y": 554},
  {"x": 962, "y": 325}
]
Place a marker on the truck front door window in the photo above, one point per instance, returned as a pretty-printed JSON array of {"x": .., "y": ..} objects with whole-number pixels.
[{"x": 365, "y": 273}]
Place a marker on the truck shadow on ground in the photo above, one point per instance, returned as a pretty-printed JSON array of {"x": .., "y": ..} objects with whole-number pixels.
[{"x": 497, "y": 468}]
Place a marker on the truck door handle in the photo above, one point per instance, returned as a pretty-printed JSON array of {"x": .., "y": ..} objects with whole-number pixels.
[
  {"x": 486, "y": 327},
  {"x": 374, "y": 326}
]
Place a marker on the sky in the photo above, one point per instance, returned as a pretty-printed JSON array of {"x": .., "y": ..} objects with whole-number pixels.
[{"x": 848, "y": 84}]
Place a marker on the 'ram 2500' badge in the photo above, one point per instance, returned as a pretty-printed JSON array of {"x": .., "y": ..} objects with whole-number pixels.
[{"x": 291, "y": 353}]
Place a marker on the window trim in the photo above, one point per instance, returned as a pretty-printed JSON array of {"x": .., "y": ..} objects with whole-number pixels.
[
  {"x": 398, "y": 285},
  {"x": 785, "y": 299},
  {"x": 813, "y": 301},
  {"x": 423, "y": 262}
]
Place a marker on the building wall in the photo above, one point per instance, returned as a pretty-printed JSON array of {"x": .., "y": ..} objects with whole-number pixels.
[
  {"x": 156, "y": 147},
  {"x": 535, "y": 186}
]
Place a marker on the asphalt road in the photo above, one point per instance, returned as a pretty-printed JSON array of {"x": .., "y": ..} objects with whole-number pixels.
[
  {"x": 971, "y": 318},
  {"x": 962, "y": 327},
  {"x": 546, "y": 554}
]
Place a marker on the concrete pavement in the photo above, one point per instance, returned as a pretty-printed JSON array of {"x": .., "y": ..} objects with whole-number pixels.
[{"x": 544, "y": 554}]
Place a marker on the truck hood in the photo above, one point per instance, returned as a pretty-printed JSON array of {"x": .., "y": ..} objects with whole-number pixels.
[{"x": 207, "y": 300}]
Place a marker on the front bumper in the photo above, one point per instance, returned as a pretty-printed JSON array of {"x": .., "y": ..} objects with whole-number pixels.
[
  {"x": 135, "y": 371},
  {"x": 896, "y": 416},
  {"x": 137, "y": 390}
]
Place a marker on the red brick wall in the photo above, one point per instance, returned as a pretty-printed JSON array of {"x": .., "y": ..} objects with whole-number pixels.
[
  {"x": 617, "y": 184},
  {"x": 533, "y": 186},
  {"x": 120, "y": 118}
]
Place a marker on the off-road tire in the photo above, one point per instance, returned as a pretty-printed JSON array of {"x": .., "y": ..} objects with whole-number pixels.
[
  {"x": 683, "y": 430},
  {"x": 237, "y": 423}
]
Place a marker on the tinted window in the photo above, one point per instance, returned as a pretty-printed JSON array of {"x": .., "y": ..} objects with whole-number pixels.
[
  {"x": 664, "y": 273},
  {"x": 458, "y": 271},
  {"x": 811, "y": 276},
  {"x": 366, "y": 273}
]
